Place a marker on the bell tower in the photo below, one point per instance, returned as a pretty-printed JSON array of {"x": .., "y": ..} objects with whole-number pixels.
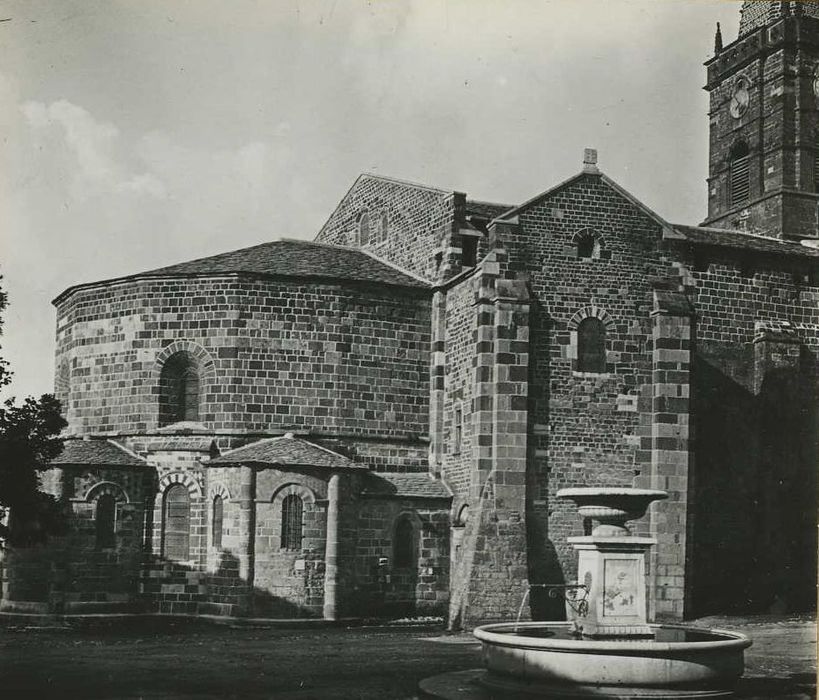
[{"x": 763, "y": 172}]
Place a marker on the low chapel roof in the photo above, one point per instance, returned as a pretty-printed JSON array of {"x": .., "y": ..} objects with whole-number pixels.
[
  {"x": 96, "y": 452},
  {"x": 286, "y": 451},
  {"x": 404, "y": 485},
  {"x": 284, "y": 258}
]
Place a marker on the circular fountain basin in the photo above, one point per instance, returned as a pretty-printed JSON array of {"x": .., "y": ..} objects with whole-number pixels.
[{"x": 545, "y": 659}]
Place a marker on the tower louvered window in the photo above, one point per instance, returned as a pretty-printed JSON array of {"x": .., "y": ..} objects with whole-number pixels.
[
  {"x": 740, "y": 184},
  {"x": 292, "y": 514}
]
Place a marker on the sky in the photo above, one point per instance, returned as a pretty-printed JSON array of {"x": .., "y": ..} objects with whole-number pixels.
[{"x": 139, "y": 134}]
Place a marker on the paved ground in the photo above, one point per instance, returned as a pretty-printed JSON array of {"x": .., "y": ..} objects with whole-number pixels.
[{"x": 193, "y": 659}]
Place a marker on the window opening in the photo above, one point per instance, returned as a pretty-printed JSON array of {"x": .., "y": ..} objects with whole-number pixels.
[
  {"x": 469, "y": 251},
  {"x": 591, "y": 346},
  {"x": 176, "y": 540},
  {"x": 179, "y": 390},
  {"x": 404, "y": 544},
  {"x": 217, "y": 521},
  {"x": 740, "y": 174},
  {"x": 292, "y": 516},
  {"x": 106, "y": 517}
]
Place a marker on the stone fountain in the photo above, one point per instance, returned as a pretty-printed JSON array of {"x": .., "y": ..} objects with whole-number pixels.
[{"x": 608, "y": 649}]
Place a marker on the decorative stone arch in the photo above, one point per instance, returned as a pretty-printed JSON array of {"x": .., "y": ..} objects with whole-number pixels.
[
  {"x": 194, "y": 350},
  {"x": 290, "y": 488},
  {"x": 106, "y": 487},
  {"x": 589, "y": 243},
  {"x": 591, "y": 311},
  {"x": 574, "y": 351},
  {"x": 193, "y": 486},
  {"x": 218, "y": 489}
]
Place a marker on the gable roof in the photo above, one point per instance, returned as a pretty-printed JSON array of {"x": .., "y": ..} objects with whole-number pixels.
[
  {"x": 95, "y": 452},
  {"x": 489, "y": 210},
  {"x": 650, "y": 213},
  {"x": 286, "y": 451},
  {"x": 285, "y": 258}
]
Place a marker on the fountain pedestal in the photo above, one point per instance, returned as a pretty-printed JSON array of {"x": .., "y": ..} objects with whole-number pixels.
[{"x": 613, "y": 571}]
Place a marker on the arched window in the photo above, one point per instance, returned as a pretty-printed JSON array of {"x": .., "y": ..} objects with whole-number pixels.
[
  {"x": 591, "y": 345},
  {"x": 404, "y": 550},
  {"x": 217, "y": 521},
  {"x": 176, "y": 530},
  {"x": 740, "y": 174},
  {"x": 105, "y": 521},
  {"x": 588, "y": 247},
  {"x": 292, "y": 516},
  {"x": 179, "y": 389},
  {"x": 364, "y": 228}
]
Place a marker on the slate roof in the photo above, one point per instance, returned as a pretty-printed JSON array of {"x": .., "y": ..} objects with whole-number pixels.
[
  {"x": 289, "y": 258},
  {"x": 739, "y": 239},
  {"x": 286, "y": 451},
  {"x": 419, "y": 485},
  {"x": 296, "y": 259},
  {"x": 96, "y": 453}
]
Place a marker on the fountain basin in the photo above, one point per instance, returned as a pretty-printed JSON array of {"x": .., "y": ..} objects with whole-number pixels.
[
  {"x": 611, "y": 506},
  {"x": 544, "y": 659}
]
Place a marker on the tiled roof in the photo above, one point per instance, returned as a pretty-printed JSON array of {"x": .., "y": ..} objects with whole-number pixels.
[
  {"x": 420, "y": 485},
  {"x": 739, "y": 239},
  {"x": 96, "y": 453},
  {"x": 490, "y": 210},
  {"x": 286, "y": 451},
  {"x": 296, "y": 259}
]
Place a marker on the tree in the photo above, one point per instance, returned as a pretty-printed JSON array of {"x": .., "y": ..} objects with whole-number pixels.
[{"x": 29, "y": 440}]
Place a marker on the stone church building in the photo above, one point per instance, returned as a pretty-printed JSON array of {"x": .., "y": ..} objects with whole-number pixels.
[{"x": 376, "y": 422}]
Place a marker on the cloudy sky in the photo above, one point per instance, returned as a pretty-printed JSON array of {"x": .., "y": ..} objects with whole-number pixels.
[{"x": 142, "y": 133}]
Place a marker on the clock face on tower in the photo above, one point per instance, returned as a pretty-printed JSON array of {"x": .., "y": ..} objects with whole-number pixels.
[{"x": 740, "y": 98}]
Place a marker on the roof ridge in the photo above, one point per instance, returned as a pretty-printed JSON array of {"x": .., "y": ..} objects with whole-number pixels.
[
  {"x": 127, "y": 451},
  {"x": 411, "y": 183}
]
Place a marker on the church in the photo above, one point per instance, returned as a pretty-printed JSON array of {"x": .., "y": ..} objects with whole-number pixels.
[{"x": 376, "y": 423}]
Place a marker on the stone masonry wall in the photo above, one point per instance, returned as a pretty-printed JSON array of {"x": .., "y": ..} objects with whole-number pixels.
[
  {"x": 278, "y": 354},
  {"x": 408, "y": 224},
  {"x": 585, "y": 428}
]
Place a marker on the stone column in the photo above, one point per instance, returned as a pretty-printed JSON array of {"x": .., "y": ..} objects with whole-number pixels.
[
  {"x": 247, "y": 531},
  {"x": 671, "y": 452},
  {"x": 436, "y": 383},
  {"x": 331, "y": 551}
]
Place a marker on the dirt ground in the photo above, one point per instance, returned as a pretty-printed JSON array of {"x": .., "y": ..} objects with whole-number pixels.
[
  {"x": 201, "y": 660},
  {"x": 155, "y": 659}
]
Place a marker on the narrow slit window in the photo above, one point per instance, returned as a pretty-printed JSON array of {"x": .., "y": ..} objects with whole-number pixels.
[
  {"x": 217, "y": 521},
  {"x": 292, "y": 522},
  {"x": 177, "y": 524},
  {"x": 457, "y": 429},
  {"x": 106, "y": 518}
]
